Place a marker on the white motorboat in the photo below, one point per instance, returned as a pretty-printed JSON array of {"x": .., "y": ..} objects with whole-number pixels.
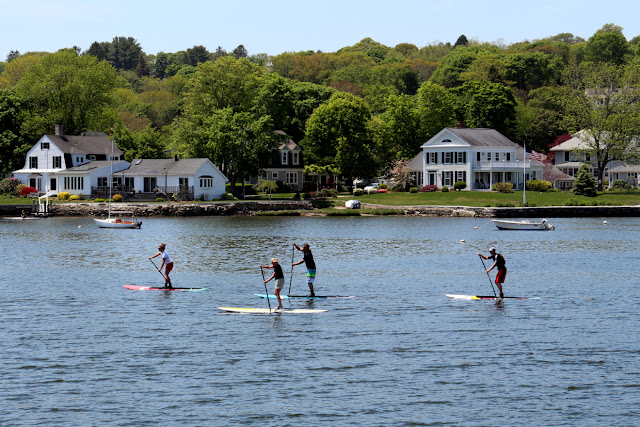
[
  {"x": 523, "y": 225},
  {"x": 116, "y": 221}
]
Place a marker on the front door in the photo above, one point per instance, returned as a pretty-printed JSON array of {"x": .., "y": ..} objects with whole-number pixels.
[
  {"x": 432, "y": 178},
  {"x": 150, "y": 183}
]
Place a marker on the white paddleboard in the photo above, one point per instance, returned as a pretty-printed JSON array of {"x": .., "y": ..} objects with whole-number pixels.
[{"x": 273, "y": 310}]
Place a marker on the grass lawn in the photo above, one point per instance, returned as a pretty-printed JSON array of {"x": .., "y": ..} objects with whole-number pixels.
[{"x": 480, "y": 199}]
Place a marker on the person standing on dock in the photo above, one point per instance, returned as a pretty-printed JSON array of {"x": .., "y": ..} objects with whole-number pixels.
[
  {"x": 167, "y": 263},
  {"x": 278, "y": 275},
  {"x": 307, "y": 258},
  {"x": 498, "y": 261}
]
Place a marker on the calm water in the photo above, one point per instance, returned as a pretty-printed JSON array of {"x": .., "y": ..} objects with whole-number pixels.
[{"x": 79, "y": 349}]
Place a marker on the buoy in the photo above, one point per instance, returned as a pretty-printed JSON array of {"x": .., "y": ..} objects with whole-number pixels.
[
  {"x": 462, "y": 241},
  {"x": 604, "y": 222},
  {"x": 79, "y": 226},
  {"x": 475, "y": 228}
]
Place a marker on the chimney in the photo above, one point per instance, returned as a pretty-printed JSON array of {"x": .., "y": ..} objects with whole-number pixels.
[
  {"x": 59, "y": 130},
  {"x": 175, "y": 157},
  {"x": 461, "y": 125}
]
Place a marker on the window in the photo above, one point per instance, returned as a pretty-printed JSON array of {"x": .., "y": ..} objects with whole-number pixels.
[
  {"x": 92, "y": 157},
  {"x": 461, "y": 176},
  {"x": 102, "y": 181},
  {"x": 447, "y": 157},
  {"x": 497, "y": 156},
  {"x": 461, "y": 157},
  {"x": 73, "y": 183},
  {"x": 292, "y": 178},
  {"x": 44, "y": 145},
  {"x": 274, "y": 175},
  {"x": 295, "y": 159},
  {"x": 33, "y": 163},
  {"x": 489, "y": 156},
  {"x": 446, "y": 178},
  {"x": 57, "y": 162},
  {"x": 566, "y": 156},
  {"x": 284, "y": 158},
  {"x": 128, "y": 181},
  {"x": 432, "y": 157},
  {"x": 206, "y": 182},
  {"x": 478, "y": 156},
  {"x": 508, "y": 157}
]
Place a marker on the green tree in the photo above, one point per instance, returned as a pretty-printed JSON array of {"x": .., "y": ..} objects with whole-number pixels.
[
  {"x": 68, "y": 89},
  {"x": 603, "y": 105},
  {"x": 455, "y": 63},
  {"x": 306, "y": 98},
  {"x": 486, "y": 105},
  {"x": 607, "y": 45},
  {"x": 13, "y": 147},
  {"x": 585, "y": 184},
  {"x": 400, "y": 134},
  {"x": 267, "y": 186},
  {"x": 197, "y": 55},
  {"x": 436, "y": 109},
  {"x": 337, "y": 134}
]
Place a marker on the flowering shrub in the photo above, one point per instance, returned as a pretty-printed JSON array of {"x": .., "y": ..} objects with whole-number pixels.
[
  {"x": 28, "y": 190},
  {"x": 325, "y": 192},
  {"x": 383, "y": 190},
  {"x": 63, "y": 196},
  {"x": 9, "y": 186},
  {"x": 117, "y": 197},
  {"x": 429, "y": 188},
  {"x": 74, "y": 197}
]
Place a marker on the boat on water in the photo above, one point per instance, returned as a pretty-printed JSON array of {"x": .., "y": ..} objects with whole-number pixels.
[
  {"x": 523, "y": 225},
  {"x": 117, "y": 221}
]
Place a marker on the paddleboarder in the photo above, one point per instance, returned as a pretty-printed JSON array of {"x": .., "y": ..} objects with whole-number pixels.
[
  {"x": 278, "y": 275},
  {"x": 167, "y": 263},
  {"x": 307, "y": 258},
  {"x": 498, "y": 261}
]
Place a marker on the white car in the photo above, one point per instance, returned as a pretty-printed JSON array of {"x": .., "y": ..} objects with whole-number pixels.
[{"x": 371, "y": 188}]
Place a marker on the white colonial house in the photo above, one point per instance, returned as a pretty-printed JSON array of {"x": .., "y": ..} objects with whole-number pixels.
[
  {"x": 480, "y": 157},
  {"x": 82, "y": 164}
]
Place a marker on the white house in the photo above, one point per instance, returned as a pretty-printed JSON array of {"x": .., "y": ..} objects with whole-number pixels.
[
  {"x": 82, "y": 165},
  {"x": 72, "y": 164},
  {"x": 480, "y": 157},
  {"x": 189, "y": 178}
]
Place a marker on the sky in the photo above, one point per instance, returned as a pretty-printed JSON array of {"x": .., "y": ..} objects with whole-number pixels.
[{"x": 278, "y": 26}]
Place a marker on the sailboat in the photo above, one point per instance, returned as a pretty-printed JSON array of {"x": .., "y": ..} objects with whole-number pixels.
[{"x": 116, "y": 221}]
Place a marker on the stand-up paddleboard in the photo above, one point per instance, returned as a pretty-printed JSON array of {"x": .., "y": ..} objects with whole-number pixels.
[
  {"x": 480, "y": 297},
  {"x": 273, "y": 310},
  {"x": 304, "y": 296},
  {"x": 155, "y": 288},
  {"x": 20, "y": 218}
]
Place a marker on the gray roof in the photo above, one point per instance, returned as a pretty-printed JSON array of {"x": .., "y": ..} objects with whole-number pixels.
[
  {"x": 482, "y": 137},
  {"x": 162, "y": 166},
  {"x": 89, "y": 143}
]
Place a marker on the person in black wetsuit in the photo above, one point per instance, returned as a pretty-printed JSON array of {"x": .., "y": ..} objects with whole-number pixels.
[
  {"x": 498, "y": 261},
  {"x": 307, "y": 258},
  {"x": 278, "y": 275}
]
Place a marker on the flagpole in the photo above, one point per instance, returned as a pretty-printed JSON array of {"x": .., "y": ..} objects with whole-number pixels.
[{"x": 524, "y": 176}]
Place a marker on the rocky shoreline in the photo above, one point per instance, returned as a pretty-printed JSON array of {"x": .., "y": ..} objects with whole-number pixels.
[{"x": 250, "y": 207}]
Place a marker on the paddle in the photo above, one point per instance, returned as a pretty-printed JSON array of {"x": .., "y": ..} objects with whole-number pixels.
[
  {"x": 265, "y": 288},
  {"x": 291, "y": 277},
  {"x": 490, "y": 282},
  {"x": 154, "y": 264}
]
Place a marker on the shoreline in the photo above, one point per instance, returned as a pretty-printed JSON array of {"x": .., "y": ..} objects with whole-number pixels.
[{"x": 248, "y": 208}]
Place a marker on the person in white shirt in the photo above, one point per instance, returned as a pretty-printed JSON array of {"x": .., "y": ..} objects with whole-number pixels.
[{"x": 167, "y": 263}]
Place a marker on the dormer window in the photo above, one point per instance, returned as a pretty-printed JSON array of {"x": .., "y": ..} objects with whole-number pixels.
[
  {"x": 295, "y": 158},
  {"x": 284, "y": 158},
  {"x": 44, "y": 145}
]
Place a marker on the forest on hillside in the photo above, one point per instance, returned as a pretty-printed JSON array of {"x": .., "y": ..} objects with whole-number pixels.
[{"x": 354, "y": 112}]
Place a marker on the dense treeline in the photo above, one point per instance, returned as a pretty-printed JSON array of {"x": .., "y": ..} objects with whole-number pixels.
[{"x": 353, "y": 111}]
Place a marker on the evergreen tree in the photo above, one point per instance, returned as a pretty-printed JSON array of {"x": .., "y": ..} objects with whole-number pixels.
[{"x": 585, "y": 184}]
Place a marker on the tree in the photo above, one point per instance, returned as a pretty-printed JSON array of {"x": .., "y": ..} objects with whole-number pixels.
[
  {"x": 267, "y": 186},
  {"x": 13, "y": 147},
  {"x": 603, "y": 105},
  {"x": 585, "y": 184},
  {"x": 240, "y": 52},
  {"x": 197, "y": 55},
  {"x": 13, "y": 55},
  {"x": 337, "y": 134},
  {"x": 462, "y": 41},
  {"x": 456, "y": 62},
  {"x": 436, "y": 109},
  {"x": 607, "y": 45},
  {"x": 486, "y": 105},
  {"x": 400, "y": 134}
]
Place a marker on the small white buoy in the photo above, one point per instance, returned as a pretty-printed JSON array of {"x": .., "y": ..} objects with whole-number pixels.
[
  {"x": 79, "y": 226},
  {"x": 604, "y": 222},
  {"x": 475, "y": 228},
  {"x": 462, "y": 241}
]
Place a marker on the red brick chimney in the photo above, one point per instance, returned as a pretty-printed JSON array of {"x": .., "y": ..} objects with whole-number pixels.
[{"x": 59, "y": 130}]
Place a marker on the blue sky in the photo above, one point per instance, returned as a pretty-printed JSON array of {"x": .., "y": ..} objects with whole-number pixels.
[{"x": 278, "y": 26}]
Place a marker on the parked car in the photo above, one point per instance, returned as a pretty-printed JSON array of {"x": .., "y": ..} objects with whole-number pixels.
[{"x": 371, "y": 188}]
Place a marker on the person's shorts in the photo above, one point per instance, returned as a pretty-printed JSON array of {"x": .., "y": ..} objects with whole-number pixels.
[
  {"x": 168, "y": 268},
  {"x": 311, "y": 272},
  {"x": 501, "y": 276},
  {"x": 279, "y": 283}
]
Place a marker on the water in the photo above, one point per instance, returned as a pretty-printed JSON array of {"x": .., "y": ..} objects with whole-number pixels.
[{"x": 79, "y": 349}]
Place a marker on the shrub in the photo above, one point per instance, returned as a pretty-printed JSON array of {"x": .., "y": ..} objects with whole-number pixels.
[
  {"x": 505, "y": 205},
  {"x": 19, "y": 189},
  {"x": 429, "y": 188},
  {"x": 228, "y": 196},
  {"x": 460, "y": 185},
  {"x": 621, "y": 184},
  {"x": 74, "y": 197},
  {"x": 398, "y": 187},
  {"x": 296, "y": 196},
  {"x": 413, "y": 190},
  {"x": 117, "y": 197},
  {"x": 159, "y": 200},
  {"x": 538, "y": 185},
  {"x": 64, "y": 196},
  {"x": 358, "y": 192},
  {"x": 98, "y": 200},
  {"x": 503, "y": 187},
  {"x": 9, "y": 186},
  {"x": 445, "y": 189},
  {"x": 28, "y": 190},
  {"x": 383, "y": 190},
  {"x": 383, "y": 186},
  {"x": 585, "y": 183}
]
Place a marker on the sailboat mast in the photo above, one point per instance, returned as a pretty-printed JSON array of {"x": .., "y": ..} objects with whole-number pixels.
[
  {"x": 111, "y": 174},
  {"x": 524, "y": 176}
]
